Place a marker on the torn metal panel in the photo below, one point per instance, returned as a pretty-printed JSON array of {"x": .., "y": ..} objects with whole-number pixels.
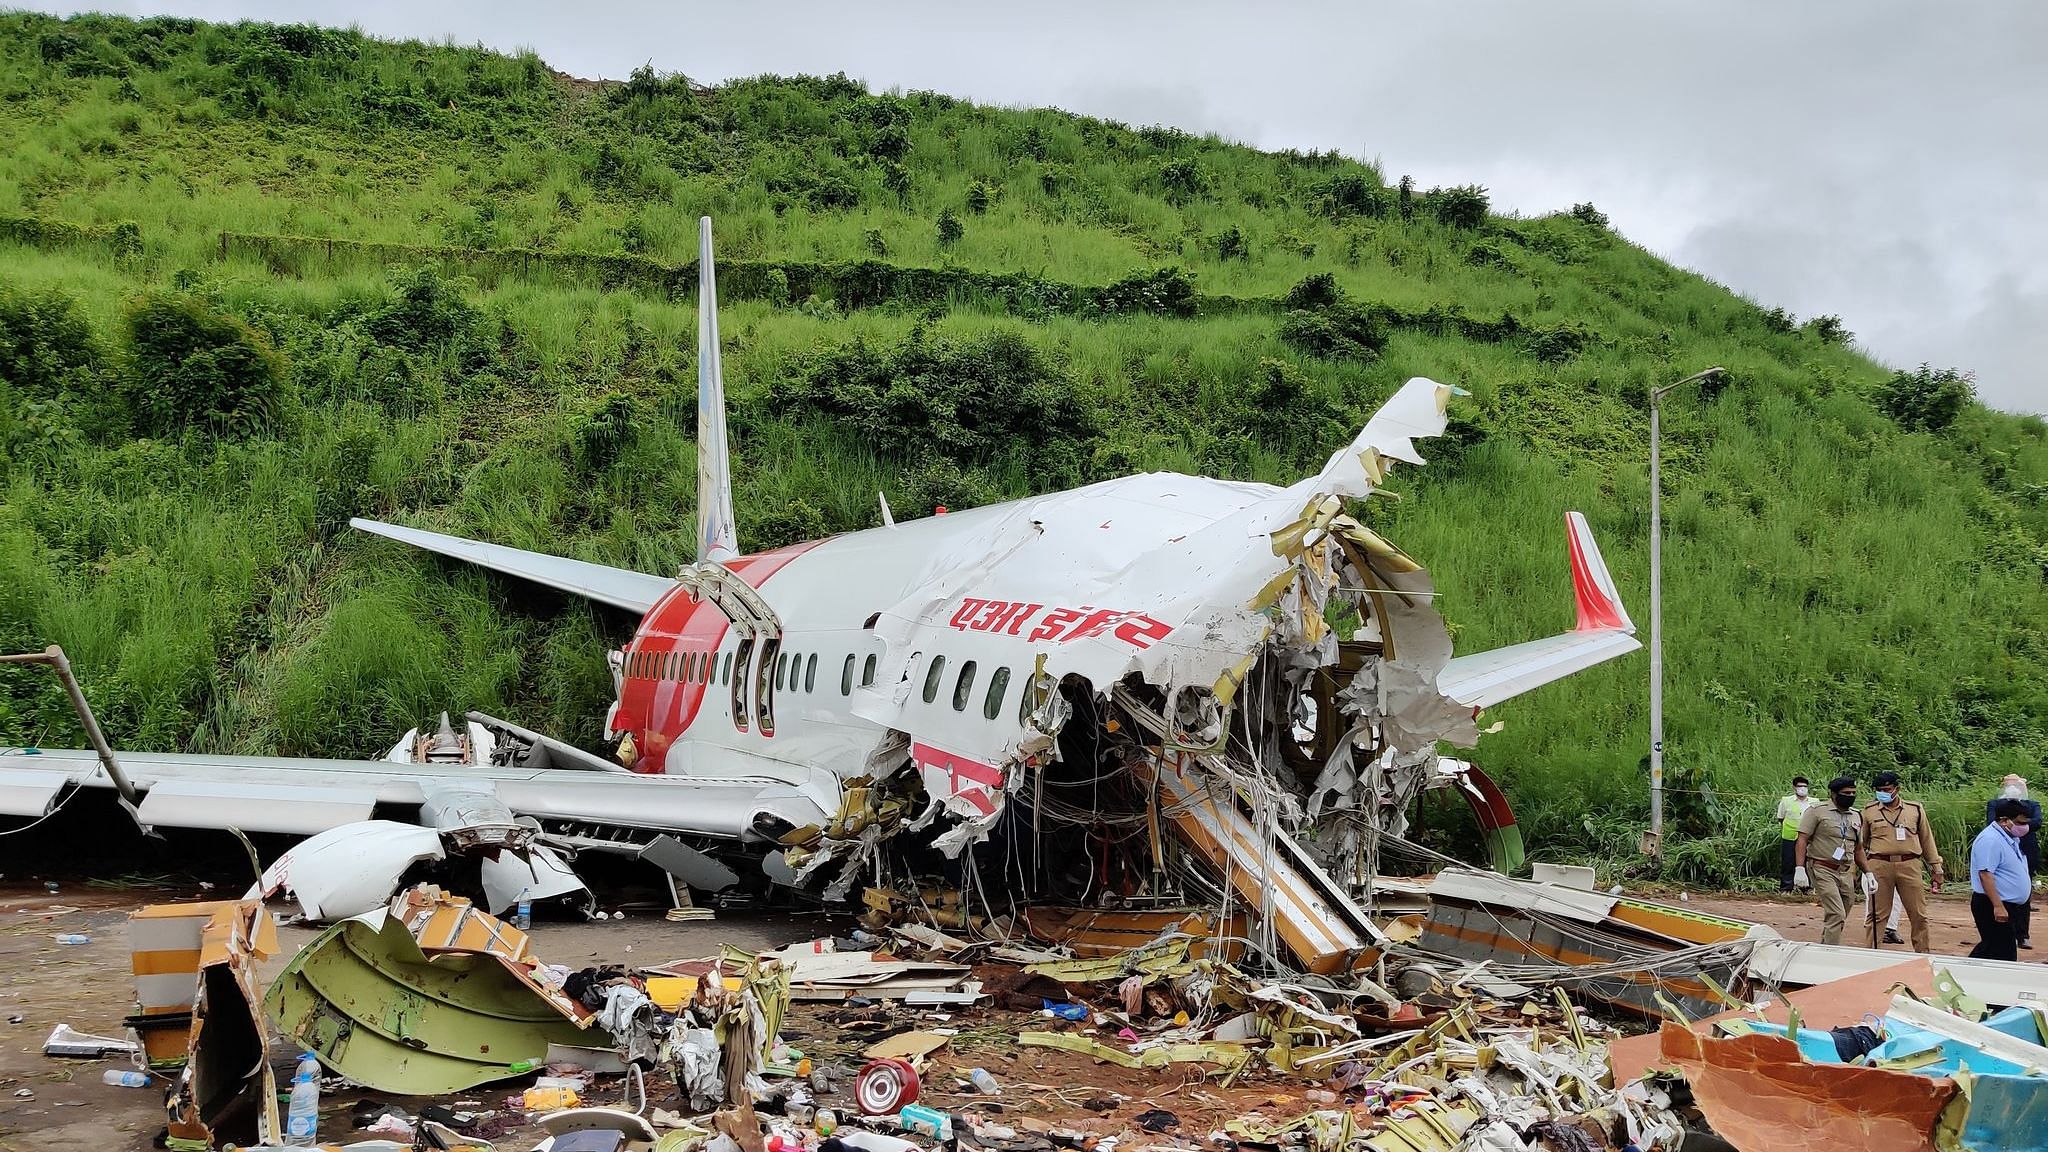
[
  {"x": 1608, "y": 962},
  {"x": 1775, "y": 961},
  {"x": 1091, "y": 933},
  {"x": 1839, "y": 1003},
  {"x": 226, "y": 1091},
  {"x": 1324, "y": 929},
  {"x": 456, "y": 1007},
  {"x": 537, "y": 874},
  {"x": 350, "y": 870},
  {"x": 1757, "y": 1089},
  {"x": 2018, "y": 1057}
]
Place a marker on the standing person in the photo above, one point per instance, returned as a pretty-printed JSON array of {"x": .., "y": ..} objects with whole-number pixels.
[
  {"x": 1831, "y": 843},
  {"x": 1998, "y": 873},
  {"x": 1898, "y": 841},
  {"x": 1790, "y": 809},
  {"x": 2015, "y": 788}
]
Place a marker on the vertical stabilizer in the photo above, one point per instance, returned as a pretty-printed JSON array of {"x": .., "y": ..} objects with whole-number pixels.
[{"x": 717, "y": 537}]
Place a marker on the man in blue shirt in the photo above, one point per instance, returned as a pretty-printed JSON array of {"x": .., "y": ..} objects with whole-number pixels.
[
  {"x": 1998, "y": 882},
  {"x": 2015, "y": 788}
]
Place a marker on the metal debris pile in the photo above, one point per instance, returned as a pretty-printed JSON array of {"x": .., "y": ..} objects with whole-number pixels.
[{"x": 438, "y": 1026}]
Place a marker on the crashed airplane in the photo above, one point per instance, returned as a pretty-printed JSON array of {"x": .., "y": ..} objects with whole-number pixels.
[{"x": 1153, "y": 688}]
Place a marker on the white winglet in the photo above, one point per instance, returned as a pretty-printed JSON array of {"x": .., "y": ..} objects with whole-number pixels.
[{"x": 1599, "y": 603}]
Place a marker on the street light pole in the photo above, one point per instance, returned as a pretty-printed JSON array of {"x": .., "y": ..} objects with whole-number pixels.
[{"x": 1653, "y": 844}]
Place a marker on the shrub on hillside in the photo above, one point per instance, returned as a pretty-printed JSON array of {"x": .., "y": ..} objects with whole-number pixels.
[
  {"x": 602, "y": 434},
  {"x": 1322, "y": 321},
  {"x": 1287, "y": 412},
  {"x": 1183, "y": 179},
  {"x": 1350, "y": 194},
  {"x": 1231, "y": 245},
  {"x": 1925, "y": 400},
  {"x": 939, "y": 483},
  {"x": 765, "y": 524},
  {"x": 1316, "y": 290},
  {"x": 1829, "y": 329},
  {"x": 1462, "y": 206},
  {"x": 980, "y": 195},
  {"x": 1558, "y": 342},
  {"x": 427, "y": 312},
  {"x": 1165, "y": 292},
  {"x": 1588, "y": 215},
  {"x": 967, "y": 399},
  {"x": 193, "y": 367},
  {"x": 45, "y": 343},
  {"x": 950, "y": 230}
]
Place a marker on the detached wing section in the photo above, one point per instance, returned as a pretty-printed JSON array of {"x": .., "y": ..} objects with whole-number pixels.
[
  {"x": 1604, "y": 631},
  {"x": 621, "y": 588},
  {"x": 306, "y": 796}
]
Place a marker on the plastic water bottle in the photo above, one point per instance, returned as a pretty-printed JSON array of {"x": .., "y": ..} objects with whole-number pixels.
[
  {"x": 522, "y": 915},
  {"x": 985, "y": 1082},
  {"x": 125, "y": 1078},
  {"x": 72, "y": 938},
  {"x": 302, "y": 1121}
]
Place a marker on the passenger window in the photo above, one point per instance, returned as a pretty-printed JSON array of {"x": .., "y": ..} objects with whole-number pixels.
[
  {"x": 931, "y": 677},
  {"x": 998, "y": 683},
  {"x": 846, "y": 677},
  {"x": 811, "y": 672},
  {"x": 739, "y": 682},
  {"x": 963, "y": 686},
  {"x": 867, "y": 673}
]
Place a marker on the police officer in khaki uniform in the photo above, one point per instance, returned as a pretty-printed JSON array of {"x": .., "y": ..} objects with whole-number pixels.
[
  {"x": 1898, "y": 841},
  {"x": 1831, "y": 844}
]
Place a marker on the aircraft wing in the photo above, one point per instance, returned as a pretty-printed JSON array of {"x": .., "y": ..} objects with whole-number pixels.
[
  {"x": 636, "y": 592},
  {"x": 305, "y": 796},
  {"x": 1604, "y": 631}
]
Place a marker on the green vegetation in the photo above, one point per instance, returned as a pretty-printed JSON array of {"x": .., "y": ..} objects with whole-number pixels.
[{"x": 259, "y": 279}]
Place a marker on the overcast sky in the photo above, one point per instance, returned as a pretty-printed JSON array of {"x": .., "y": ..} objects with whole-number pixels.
[{"x": 1883, "y": 161}]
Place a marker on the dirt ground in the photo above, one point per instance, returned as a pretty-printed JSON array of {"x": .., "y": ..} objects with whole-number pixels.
[
  {"x": 66, "y": 1107},
  {"x": 1949, "y": 928}
]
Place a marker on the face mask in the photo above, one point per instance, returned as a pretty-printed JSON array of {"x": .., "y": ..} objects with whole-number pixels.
[
  {"x": 1799, "y": 790},
  {"x": 1884, "y": 797},
  {"x": 1844, "y": 799},
  {"x": 2019, "y": 830},
  {"x": 2015, "y": 792}
]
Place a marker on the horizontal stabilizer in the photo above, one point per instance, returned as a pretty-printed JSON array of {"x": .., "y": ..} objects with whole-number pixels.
[
  {"x": 1603, "y": 632},
  {"x": 621, "y": 588}
]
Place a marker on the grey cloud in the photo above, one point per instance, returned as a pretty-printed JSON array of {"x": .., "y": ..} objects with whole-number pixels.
[{"x": 1878, "y": 160}]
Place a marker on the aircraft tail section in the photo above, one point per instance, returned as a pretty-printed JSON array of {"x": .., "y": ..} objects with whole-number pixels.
[{"x": 717, "y": 534}]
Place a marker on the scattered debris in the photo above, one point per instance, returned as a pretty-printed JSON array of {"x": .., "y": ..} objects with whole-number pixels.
[
  {"x": 64, "y": 1040},
  {"x": 431, "y": 995}
]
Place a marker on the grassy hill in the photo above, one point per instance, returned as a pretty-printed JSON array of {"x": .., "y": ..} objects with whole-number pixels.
[{"x": 257, "y": 279}]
